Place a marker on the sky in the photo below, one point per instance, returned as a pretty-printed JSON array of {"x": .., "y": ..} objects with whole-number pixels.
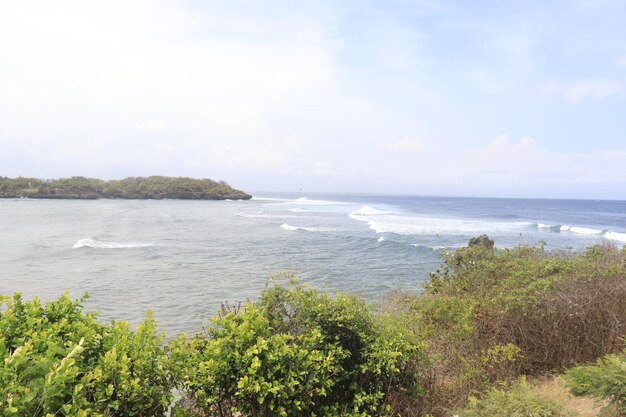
[{"x": 470, "y": 98}]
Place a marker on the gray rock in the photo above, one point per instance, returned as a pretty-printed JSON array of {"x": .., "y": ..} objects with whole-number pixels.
[{"x": 482, "y": 240}]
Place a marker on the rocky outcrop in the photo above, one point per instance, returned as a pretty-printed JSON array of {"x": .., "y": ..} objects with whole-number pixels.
[{"x": 482, "y": 240}]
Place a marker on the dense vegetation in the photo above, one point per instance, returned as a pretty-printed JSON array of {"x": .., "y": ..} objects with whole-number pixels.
[
  {"x": 485, "y": 319},
  {"x": 488, "y": 316},
  {"x": 605, "y": 379},
  {"x": 298, "y": 353},
  {"x": 154, "y": 187},
  {"x": 61, "y": 362},
  {"x": 520, "y": 400},
  {"x": 295, "y": 353}
]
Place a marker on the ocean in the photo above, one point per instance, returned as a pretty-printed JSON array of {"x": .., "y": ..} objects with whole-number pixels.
[{"x": 182, "y": 259}]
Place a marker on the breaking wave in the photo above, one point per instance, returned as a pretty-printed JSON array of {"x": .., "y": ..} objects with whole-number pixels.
[
  {"x": 263, "y": 215},
  {"x": 580, "y": 230},
  {"x": 362, "y": 213},
  {"x": 607, "y": 234},
  {"x": 307, "y": 229},
  {"x": 299, "y": 210},
  {"x": 611, "y": 235},
  {"x": 434, "y": 248},
  {"x": 553, "y": 227},
  {"x": 311, "y": 202},
  {"x": 98, "y": 244},
  {"x": 268, "y": 199},
  {"x": 413, "y": 225}
]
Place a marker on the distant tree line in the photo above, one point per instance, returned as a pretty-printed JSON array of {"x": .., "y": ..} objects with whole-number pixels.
[{"x": 154, "y": 187}]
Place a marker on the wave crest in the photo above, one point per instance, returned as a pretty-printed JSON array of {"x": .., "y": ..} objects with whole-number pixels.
[
  {"x": 98, "y": 244},
  {"x": 263, "y": 215},
  {"x": 607, "y": 234},
  {"x": 364, "y": 211},
  {"x": 580, "y": 230},
  {"x": 298, "y": 210},
  {"x": 307, "y": 229},
  {"x": 413, "y": 225},
  {"x": 311, "y": 202},
  {"x": 434, "y": 248},
  {"x": 611, "y": 235}
]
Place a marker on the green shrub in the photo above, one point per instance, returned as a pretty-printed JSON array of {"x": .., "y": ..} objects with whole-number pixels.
[
  {"x": 297, "y": 352},
  {"x": 58, "y": 361},
  {"x": 606, "y": 379},
  {"x": 519, "y": 401},
  {"x": 486, "y": 316},
  {"x": 490, "y": 315}
]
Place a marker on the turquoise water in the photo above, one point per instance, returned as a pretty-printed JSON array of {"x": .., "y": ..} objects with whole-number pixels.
[{"x": 182, "y": 259}]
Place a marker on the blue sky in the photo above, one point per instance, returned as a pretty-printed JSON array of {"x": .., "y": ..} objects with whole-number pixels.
[{"x": 520, "y": 99}]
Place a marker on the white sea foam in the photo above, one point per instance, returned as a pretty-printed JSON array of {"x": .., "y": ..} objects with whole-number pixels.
[
  {"x": 620, "y": 237},
  {"x": 572, "y": 229},
  {"x": 381, "y": 239},
  {"x": 369, "y": 211},
  {"x": 413, "y": 225},
  {"x": 98, "y": 244},
  {"x": 299, "y": 210},
  {"x": 607, "y": 234},
  {"x": 433, "y": 247},
  {"x": 585, "y": 230},
  {"x": 307, "y": 229},
  {"x": 263, "y": 215},
  {"x": 305, "y": 201},
  {"x": 552, "y": 227},
  {"x": 268, "y": 199},
  {"x": 365, "y": 211},
  {"x": 580, "y": 230}
]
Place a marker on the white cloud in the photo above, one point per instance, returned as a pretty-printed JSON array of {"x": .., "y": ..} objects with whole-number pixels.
[
  {"x": 504, "y": 144},
  {"x": 504, "y": 151},
  {"x": 610, "y": 155},
  {"x": 150, "y": 126},
  {"x": 88, "y": 81},
  {"x": 504, "y": 164},
  {"x": 298, "y": 92},
  {"x": 406, "y": 144},
  {"x": 575, "y": 92},
  {"x": 593, "y": 5},
  {"x": 269, "y": 154},
  {"x": 227, "y": 121}
]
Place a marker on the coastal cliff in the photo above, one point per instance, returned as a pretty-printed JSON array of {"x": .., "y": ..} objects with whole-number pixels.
[{"x": 132, "y": 188}]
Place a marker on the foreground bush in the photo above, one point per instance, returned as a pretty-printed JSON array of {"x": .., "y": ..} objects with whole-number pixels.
[
  {"x": 58, "y": 361},
  {"x": 487, "y": 317},
  {"x": 605, "y": 379},
  {"x": 491, "y": 315},
  {"x": 298, "y": 352},
  {"x": 519, "y": 401}
]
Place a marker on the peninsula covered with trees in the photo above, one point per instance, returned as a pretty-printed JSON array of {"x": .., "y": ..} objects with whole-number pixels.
[{"x": 134, "y": 188}]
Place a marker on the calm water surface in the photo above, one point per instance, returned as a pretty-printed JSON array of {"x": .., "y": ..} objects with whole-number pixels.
[{"x": 181, "y": 259}]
